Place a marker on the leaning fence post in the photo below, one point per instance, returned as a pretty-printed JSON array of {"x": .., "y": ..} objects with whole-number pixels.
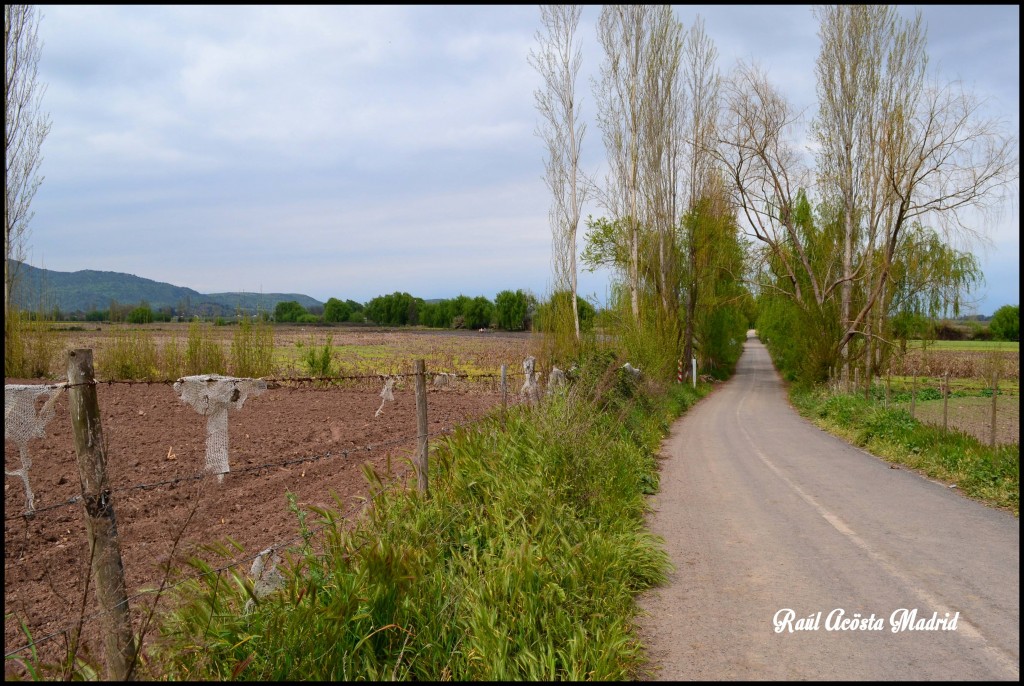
[
  {"x": 995, "y": 392},
  {"x": 945, "y": 401},
  {"x": 100, "y": 522},
  {"x": 504, "y": 393},
  {"x": 421, "y": 427}
]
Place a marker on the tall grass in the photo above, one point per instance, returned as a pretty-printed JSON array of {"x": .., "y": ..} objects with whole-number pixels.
[
  {"x": 129, "y": 354},
  {"x": 522, "y": 564},
  {"x": 203, "y": 353},
  {"x": 32, "y": 347},
  {"x": 252, "y": 349},
  {"x": 172, "y": 359}
]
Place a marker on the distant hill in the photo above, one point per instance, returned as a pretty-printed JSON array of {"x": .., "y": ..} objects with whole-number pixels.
[{"x": 88, "y": 290}]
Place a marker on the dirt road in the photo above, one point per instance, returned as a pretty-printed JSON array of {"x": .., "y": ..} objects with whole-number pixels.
[{"x": 763, "y": 513}]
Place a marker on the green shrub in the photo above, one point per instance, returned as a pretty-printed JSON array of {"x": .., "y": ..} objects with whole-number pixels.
[
  {"x": 1005, "y": 324},
  {"x": 318, "y": 361},
  {"x": 140, "y": 315}
]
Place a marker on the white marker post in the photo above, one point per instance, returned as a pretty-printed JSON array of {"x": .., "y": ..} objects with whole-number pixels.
[{"x": 694, "y": 360}]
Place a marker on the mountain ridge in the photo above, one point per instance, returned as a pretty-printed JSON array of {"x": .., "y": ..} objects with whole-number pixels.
[{"x": 88, "y": 289}]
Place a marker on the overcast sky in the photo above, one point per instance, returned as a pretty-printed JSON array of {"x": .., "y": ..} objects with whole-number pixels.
[{"x": 352, "y": 151}]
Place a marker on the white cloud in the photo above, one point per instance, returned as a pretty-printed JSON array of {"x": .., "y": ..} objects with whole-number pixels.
[{"x": 328, "y": 148}]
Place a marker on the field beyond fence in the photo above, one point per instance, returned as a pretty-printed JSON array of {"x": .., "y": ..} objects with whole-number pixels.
[
  {"x": 970, "y": 388},
  {"x": 306, "y": 441}
]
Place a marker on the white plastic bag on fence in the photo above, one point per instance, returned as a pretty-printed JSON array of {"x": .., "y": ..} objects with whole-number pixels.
[
  {"x": 556, "y": 380},
  {"x": 386, "y": 395},
  {"x": 22, "y": 423},
  {"x": 530, "y": 390},
  {"x": 213, "y": 395},
  {"x": 265, "y": 577}
]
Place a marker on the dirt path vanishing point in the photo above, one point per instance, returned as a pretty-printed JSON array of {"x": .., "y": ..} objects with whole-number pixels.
[{"x": 762, "y": 512}]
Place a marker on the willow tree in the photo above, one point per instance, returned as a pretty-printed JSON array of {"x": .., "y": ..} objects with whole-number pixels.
[
  {"x": 896, "y": 148},
  {"x": 557, "y": 59},
  {"x": 26, "y": 128}
]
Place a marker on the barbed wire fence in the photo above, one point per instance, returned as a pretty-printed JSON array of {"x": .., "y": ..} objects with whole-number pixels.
[
  {"x": 97, "y": 499},
  {"x": 930, "y": 380}
]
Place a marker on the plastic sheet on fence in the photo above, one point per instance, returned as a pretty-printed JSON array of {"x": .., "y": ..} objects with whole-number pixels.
[
  {"x": 386, "y": 395},
  {"x": 22, "y": 423},
  {"x": 212, "y": 395}
]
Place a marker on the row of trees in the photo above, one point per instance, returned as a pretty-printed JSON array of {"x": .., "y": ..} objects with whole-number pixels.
[
  {"x": 511, "y": 310},
  {"x": 878, "y": 227},
  {"x": 709, "y": 198},
  {"x": 670, "y": 233}
]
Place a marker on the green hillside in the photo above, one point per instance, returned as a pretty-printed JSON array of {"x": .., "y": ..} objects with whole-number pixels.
[{"x": 87, "y": 290}]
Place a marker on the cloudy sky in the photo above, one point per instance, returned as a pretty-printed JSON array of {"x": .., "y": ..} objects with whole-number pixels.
[{"x": 351, "y": 151}]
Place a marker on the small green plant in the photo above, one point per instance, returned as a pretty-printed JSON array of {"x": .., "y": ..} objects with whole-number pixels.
[{"x": 318, "y": 360}]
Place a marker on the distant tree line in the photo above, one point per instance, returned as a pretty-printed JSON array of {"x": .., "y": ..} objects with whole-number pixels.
[{"x": 510, "y": 311}]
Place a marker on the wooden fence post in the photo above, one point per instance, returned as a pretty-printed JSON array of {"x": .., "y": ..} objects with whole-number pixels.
[
  {"x": 869, "y": 380},
  {"x": 995, "y": 392},
  {"x": 100, "y": 522},
  {"x": 945, "y": 401},
  {"x": 504, "y": 393},
  {"x": 888, "y": 380},
  {"x": 421, "y": 427},
  {"x": 913, "y": 394}
]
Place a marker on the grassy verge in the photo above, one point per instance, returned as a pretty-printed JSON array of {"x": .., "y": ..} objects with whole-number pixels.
[
  {"x": 522, "y": 565},
  {"x": 991, "y": 475}
]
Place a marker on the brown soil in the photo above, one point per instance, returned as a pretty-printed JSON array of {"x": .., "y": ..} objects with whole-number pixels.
[
  {"x": 153, "y": 437},
  {"x": 974, "y": 416}
]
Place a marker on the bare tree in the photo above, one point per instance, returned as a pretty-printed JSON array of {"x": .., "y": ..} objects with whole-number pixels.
[
  {"x": 623, "y": 33},
  {"x": 558, "y": 62},
  {"x": 26, "y": 128},
  {"x": 757, "y": 150},
  {"x": 895, "y": 149},
  {"x": 703, "y": 85}
]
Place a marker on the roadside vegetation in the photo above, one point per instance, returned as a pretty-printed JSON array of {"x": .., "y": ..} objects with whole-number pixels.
[
  {"x": 991, "y": 475},
  {"x": 521, "y": 565}
]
